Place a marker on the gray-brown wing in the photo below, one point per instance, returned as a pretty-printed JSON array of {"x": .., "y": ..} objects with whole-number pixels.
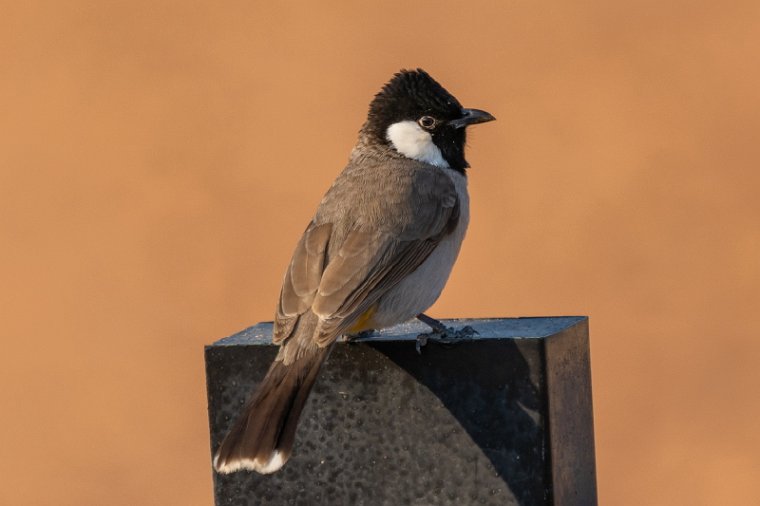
[
  {"x": 393, "y": 261},
  {"x": 369, "y": 261},
  {"x": 301, "y": 279},
  {"x": 400, "y": 259}
]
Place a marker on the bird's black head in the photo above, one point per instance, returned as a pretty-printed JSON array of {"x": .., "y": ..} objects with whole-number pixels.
[{"x": 418, "y": 118}]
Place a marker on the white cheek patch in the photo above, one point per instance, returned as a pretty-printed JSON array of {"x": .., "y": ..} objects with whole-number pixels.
[{"x": 412, "y": 141}]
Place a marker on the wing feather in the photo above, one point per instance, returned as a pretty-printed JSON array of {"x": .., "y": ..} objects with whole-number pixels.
[
  {"x": 301, "y": 279},
  {"x": 339, "y": 274}
]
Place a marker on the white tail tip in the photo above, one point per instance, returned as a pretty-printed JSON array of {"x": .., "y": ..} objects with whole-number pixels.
[{"x": 275, "y": 462}]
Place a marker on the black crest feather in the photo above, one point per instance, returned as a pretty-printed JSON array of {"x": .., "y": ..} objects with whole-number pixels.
[{"x": 409, "y": 95}]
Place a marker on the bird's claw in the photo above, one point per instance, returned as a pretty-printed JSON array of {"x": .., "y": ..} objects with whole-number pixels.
[
  {"x": 359, "y": 335},
  {"x": 421, "y": 341}
]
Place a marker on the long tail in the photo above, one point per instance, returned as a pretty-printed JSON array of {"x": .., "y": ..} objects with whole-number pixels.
[{"x": 262, "y": 437}]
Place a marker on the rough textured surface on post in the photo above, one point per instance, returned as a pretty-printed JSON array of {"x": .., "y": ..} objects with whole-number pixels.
[{"x": 505, "y": 418}]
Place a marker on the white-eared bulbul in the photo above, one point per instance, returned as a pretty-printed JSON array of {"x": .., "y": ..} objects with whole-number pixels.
[{"x": 377, "y": 252}]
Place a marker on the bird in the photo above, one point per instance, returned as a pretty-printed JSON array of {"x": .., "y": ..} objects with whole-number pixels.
[{"x": 377, "y": 252}]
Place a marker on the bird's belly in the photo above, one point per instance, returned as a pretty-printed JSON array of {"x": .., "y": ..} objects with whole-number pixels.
[{"x": 419, "y": 290}]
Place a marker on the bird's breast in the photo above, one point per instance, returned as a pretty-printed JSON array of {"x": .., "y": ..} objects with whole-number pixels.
[{"x": 420, "y": 289}]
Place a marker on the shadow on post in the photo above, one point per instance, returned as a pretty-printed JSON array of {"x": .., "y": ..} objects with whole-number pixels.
[{"x": 491, "y": 392}]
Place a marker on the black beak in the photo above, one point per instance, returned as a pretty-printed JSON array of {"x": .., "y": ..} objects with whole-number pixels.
[{"x": 471, "y": 117}]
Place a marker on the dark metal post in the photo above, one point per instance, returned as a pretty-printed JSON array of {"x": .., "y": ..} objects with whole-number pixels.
[{"x": 505, "y": 418}]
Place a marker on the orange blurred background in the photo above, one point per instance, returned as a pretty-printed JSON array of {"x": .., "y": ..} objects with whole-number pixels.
[{"x": 159, "y": 160}]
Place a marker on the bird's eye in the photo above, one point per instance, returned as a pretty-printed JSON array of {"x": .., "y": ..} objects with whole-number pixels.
[{"x": 426, "y": 122}]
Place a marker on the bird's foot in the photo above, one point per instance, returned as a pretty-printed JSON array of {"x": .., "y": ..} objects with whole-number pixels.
[
  {"x": 421, "y": 341},
  {"x": 442, "y": 333},
  {"x": 359, "y": 335}
]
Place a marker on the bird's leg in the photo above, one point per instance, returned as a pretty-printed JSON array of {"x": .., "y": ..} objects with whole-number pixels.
[
  {"x": 442, "y": 332},
  {"x": 438, "y": 327}
]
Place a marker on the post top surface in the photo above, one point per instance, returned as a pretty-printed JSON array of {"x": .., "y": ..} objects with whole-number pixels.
[{"x": 487, "y": 328}]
